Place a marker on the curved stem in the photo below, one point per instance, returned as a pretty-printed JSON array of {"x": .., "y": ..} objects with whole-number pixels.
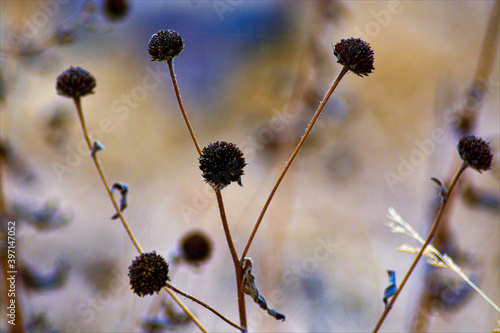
[
  {"x": 185, "y": 309},
  {"x": 101, "y": 175},
  {"x": 292, "y": 157},
  {"x": 422, "y": 249},
  {"x": 77, "y": 101},
  {"x": 205, "y": 305},
  {"x": 237, "y": 264},
  {"x": 181, "y": 105}
]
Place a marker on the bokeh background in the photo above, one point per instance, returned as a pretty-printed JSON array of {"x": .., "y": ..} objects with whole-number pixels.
[{"x": 252, "y": 73}]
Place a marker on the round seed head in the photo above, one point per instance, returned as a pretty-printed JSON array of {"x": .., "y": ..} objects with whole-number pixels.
[
  {"x": 115, "y": 9},
  {"x": 165, "y": 45},
  {"x": 476, "y": 152},
  {"x": 75, "y": 82},
  {"x": 196, "y": 247},
  {"x": 148, "y": 274},
  {"x": 222, "y": 163},
  {"x": 356, "y": 55}
]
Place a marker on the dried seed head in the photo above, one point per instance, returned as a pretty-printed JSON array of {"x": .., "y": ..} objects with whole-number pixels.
[
  {"x": 115, "y": 9},
  {"x": 196, "y": 247},
  {"x": 475, "y": 152},
  {"x": 148, "y": 274},
  {"x": 75, "y": 82},
  {"x": 222, "y": 163},
  {"x": 356, "y": 55},
  {"x": 165, "y": 45}
]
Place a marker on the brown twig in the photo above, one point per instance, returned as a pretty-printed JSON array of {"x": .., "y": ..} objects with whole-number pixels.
[
  {"x": 77, "y": 101},
  {"x": 422, "y": 249},
  {"x": 292, "y": 157},
  {"x": 474, "y": 99},
  {"x": 181, "y": 105},
  {"x": 205, "y": 305},
  {"x": 236, "y": 262}
]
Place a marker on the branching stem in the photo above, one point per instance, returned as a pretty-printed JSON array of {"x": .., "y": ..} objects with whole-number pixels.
[
  {"x": 205, "y": 305},
  {"x": 237, "y": 264}
]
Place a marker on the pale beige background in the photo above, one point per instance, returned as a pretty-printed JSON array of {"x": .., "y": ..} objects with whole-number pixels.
[{"x": 336, "y": 191}]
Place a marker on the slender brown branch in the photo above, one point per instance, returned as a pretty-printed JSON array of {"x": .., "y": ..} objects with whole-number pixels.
[
  {"x": 422, "y": 249},
  {"x": 185, "y": 309},
  {"x": 292, "y": 157},
  {"x": 122, "y": 219},
  {"x": 205, "y": 305},
  {"x": 181, "y": 105},
  {"x": 237, "y": 264},
  {"x": 101, "y": 175}
]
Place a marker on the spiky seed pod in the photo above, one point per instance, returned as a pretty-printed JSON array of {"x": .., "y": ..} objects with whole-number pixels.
[
  {"x": 196, "y": 247},
  {"x": 222, "y": 163},
  {"x": 356, "y": 55},
  {"x": 165, "y": 45},
  {"x": 148, "y": 274},
  {"x": 476, "y": 152},
  {"x": 115, "y": 9},
  {"x": 75, "y": 82}
]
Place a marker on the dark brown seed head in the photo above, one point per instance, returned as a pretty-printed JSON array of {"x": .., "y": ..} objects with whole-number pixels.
[
  {"x": 222, "y": 163},
  {"x": 148, "y": 274},
  {"x": 75, "y": 82},
  {"x": 165, "y": 45},
  {"x": 476, "y": 152},
  {"x": 116, "y": 9},
  {"x": 356, "y": 55},
  {"x": 196, "y": 247}
]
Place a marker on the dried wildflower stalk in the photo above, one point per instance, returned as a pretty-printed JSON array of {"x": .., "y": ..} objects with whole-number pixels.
[
  {"x": 354, "y": 54},
  {"x": 75, "y": 83},
  {"x": 475, "y": 153},
  {"x": 398, "y": 225},
  {"x": 424, "y": 246}
]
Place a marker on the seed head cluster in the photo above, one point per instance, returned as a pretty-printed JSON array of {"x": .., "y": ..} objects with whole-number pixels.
[
  {"x": 222, "y": 163},
  {"x": 475, "y": 152},
  {"x": 356, "y": 55},
  {"x": 196, "y": 247},
  {"x": 148, "y": 274},
  {"x": 75, "y": 82},
  {"x": 165, "y": 45}
]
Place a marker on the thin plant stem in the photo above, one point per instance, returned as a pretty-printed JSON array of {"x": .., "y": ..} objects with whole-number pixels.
[
  {"x": 422, "y": 249},
  {"x": 237, "y": 264},
  {"x": 181, "y": 105},
  {"x": 292, "y": 157},
  {"x": 234, "y": 255},
  {"x": 185, "y": 309},
  {"x": 205, "y": 305},
  {"x": 77, "y": 101},
  {"x": 103, "y": 178}
]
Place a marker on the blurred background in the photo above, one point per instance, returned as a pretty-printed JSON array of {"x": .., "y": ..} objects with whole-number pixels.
[{"x": 252, "y": 73}]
